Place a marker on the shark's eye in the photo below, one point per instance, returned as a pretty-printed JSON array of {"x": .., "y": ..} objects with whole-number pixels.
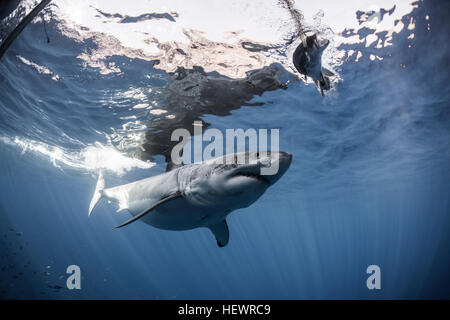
[{"x": 264, "y": 162}]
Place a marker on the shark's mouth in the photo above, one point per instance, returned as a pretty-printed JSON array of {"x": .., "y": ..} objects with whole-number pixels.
[{"x": 256, "y": 176}]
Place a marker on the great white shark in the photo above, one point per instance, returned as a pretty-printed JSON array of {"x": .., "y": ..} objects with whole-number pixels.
[{"x": 198, "y": 194}]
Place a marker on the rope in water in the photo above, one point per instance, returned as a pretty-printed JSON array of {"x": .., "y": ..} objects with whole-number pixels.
[{"x": 13, "y": 35}]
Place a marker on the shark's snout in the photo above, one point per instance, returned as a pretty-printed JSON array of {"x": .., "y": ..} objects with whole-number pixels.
[
  {"x": 280, "y": 162},
  {"x": 286, "y": 155},
  {"x": 256, "y": 167}
]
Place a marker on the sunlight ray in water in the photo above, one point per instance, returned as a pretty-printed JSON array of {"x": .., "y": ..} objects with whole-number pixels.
[{"x": 90, "y": 158}]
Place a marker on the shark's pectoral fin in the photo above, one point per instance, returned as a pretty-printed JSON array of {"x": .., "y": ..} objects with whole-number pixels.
[
  {"x": 160, "y": 202},
  {"x": 221, "y": 232}
]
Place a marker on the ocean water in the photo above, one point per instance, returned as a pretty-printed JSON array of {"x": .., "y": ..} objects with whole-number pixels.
[{"x": 369, "y": 181}]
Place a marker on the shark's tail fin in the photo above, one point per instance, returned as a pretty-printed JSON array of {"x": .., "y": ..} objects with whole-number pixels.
[{"x": 98, "y": 192}]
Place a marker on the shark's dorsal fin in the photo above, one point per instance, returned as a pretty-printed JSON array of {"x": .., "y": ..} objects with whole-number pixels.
[
  {"x": 221, "y": 232},
  {"x": 98, "y": 192},
  {"x": 160, "y": 202}
]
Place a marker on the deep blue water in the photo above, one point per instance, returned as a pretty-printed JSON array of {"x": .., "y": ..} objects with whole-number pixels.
[{"x": 369, "y": 183}]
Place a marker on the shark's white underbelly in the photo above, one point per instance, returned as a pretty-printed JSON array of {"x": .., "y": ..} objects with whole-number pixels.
[{"x": 177, "y": 214}]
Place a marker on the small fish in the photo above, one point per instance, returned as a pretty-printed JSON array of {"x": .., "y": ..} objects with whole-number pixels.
[
  {"x": 307, "y": 59},
  {"x": 55, "y": 287}
]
